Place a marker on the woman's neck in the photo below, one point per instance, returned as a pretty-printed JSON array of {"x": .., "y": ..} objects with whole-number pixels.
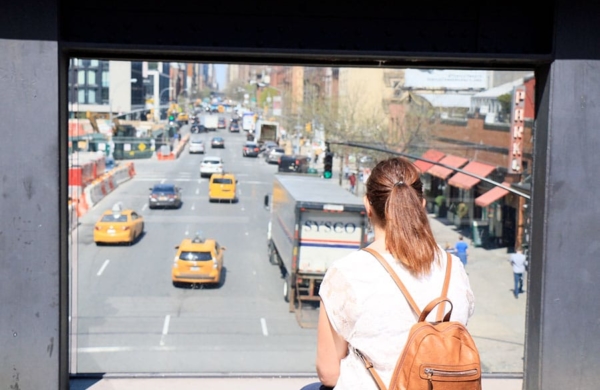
[{"x": 379, "y": 242}]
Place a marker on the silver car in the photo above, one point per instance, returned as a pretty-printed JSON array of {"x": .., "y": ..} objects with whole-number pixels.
[
  {"x": 210, "y": 165},
  {"x": 274, "y": 154}
]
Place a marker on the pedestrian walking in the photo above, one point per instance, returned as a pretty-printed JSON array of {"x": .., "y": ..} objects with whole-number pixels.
[
  {"x": 352, "y": 180},
  {"x": 462, "y": 250},
  {"x": 519, "y": 264}
]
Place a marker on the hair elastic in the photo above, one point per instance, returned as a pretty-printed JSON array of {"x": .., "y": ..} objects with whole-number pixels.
[{"x": 399, "y": 183}]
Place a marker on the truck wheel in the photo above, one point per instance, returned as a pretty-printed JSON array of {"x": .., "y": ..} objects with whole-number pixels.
[{"x": 286, "y": 289}]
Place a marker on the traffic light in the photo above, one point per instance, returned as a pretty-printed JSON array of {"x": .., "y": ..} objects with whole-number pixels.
[{"x": 328, "y": 165}]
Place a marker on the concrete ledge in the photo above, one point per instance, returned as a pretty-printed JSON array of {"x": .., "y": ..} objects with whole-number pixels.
[{"x": 235, "y": 383}]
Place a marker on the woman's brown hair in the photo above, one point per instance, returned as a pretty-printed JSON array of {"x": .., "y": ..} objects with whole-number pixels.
[{"x": 395, "y": 193}]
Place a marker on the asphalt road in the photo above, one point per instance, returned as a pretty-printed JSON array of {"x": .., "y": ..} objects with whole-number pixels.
[{"x": 127, "y": 317}]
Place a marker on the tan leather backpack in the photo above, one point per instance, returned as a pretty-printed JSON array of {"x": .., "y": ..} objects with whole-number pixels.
[{"x": 438, "y": 355}]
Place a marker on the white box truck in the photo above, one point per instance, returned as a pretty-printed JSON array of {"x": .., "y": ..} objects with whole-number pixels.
[
  {"x": 266, "y": 131},
  {"x": 313, "y": 222},
  {"x": 211, "y": 122},
  {"x": 248, "y": 122}
]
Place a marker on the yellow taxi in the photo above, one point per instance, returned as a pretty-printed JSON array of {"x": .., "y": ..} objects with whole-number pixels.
[
  {"x": 117, "y": 226},
  {"x": 198, "y": 261},
  {"x": 183, "y": 117},
  {"x": 222, "y": 186}
]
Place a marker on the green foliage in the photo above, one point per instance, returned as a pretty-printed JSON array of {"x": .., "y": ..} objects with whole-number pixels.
[
  {"x": 439, "y": 200},
  {"x": 505, "y": 102}
]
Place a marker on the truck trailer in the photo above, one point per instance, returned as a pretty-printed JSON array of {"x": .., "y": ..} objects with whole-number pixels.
[
  {"x": 313, "y": 223},
  {"x": 266, "y": 131}
]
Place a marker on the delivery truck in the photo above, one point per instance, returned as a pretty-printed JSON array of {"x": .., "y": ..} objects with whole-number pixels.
[
  {"x": 248, "y": 122},
  {"x": 211, "y": 122},
  {"x": 313, "y": 222},
  {"x": 266, "y": 131}
]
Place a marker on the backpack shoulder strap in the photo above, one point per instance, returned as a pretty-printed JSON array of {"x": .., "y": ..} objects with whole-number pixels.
[
  {"x": 442, "y": 306},
  {"x": 399, "y": 283}
]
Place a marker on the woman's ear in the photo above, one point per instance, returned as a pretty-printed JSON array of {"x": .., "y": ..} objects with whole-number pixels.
[
  {"x": 424, "y": 202},
  {"x": 367, "y": 206}
]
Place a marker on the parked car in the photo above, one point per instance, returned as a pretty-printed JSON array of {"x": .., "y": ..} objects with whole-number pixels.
[
  {"x": 222, "y": 123},
  {"x": 164, "y": 195},
  {"x": 251, "y": 149},
  {"x": 272, "y": 157},
  {"x": 210, "y": 165},
  {"x": 217, "y": 142},
  {"x": 293, "y": 163}
]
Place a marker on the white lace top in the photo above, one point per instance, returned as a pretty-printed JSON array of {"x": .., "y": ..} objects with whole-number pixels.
[{"x": 370, "y": 312}]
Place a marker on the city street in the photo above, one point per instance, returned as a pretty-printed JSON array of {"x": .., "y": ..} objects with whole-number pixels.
[{"x": 127, "y": 317}]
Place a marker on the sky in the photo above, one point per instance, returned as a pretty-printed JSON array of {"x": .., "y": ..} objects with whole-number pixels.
[{"x": 221, "y": 73}]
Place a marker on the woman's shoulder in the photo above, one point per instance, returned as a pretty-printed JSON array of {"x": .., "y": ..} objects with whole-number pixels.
[{"x": 351, "y": 260}]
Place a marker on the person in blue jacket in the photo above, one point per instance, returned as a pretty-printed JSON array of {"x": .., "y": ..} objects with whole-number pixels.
[{"x": 462, "y": 250}]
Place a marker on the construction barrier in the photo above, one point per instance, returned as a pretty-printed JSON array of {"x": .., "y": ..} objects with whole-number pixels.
[
  {"x": 176, "y": 151},
  {"x": 102, "y": 186}
]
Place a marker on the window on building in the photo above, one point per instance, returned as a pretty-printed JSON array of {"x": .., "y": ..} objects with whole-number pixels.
[
  {"x": 105, "y": 95},
  {"x": 91, "y": 96},
  {"x": 105, "y": 79},
  {"x": 94, "y": 63},
  {"x": 81, "y": 77},
  {"x": 81, "y": 96},
  {"x": 91, "y": 77}
]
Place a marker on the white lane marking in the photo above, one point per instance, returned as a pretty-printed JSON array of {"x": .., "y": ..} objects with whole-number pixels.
[
  {"x": 187, "y": 230},
  {"x": 122, "y": 349},
  {"x": 144, "y": 206},
  {"x": 197, "y": 191},
  {"x": 162, "y": 181},
  {"x": 243, "y": 209},
  {"x": 103, "y": 267},
  {"x": 263, "y": 323},
  {"x": 247, "y": 233},
  {"x": 193, "y": 206},
  {"x": 165, "y": 330},
  {"x": 256, "y": 182}
]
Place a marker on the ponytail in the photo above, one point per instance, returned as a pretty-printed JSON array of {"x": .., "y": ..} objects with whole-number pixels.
[{"x": 394, "y": 189}]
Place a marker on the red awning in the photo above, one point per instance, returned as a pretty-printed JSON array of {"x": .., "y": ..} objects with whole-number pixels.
[
  {"x": 462, "y": 180},
  {"x": 450, "y": 160},
  {"x": 431, "y": 154},
  {"x": 492, "y": 195}
]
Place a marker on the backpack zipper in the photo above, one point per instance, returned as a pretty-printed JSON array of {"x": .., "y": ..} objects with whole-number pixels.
[{"x": 432, "y": 371}]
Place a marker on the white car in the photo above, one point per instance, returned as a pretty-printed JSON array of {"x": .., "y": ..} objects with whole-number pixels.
[
  {"x": 196, "y": 146},
  {"x": 210, "y": 165},
  {"x": 272, "y": 157}
]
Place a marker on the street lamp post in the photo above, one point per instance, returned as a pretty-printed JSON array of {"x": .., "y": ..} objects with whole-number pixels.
[{"x": 157, "y": 97}]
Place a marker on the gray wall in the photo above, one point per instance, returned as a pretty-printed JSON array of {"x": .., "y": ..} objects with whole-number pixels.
[
  {"x": 559, "y": 39},
  {"x": 30, "y": 239}
]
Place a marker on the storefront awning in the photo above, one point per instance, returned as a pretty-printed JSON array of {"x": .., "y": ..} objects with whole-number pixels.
[
  {"x": 431, "y": 154},
  {"x": 450, "y": 160},
  {"x": 464, "y": 181},
  {"x": 492, "y": 195}
]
